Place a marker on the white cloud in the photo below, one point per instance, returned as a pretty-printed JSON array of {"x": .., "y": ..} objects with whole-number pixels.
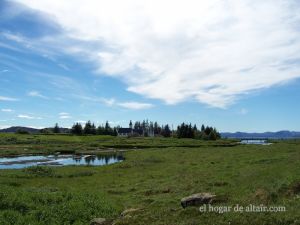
[
  {"x": 22, "y": 116},
  {"x": 129, "y": 105},
  {"x": 7, "y": 110},
  {"x": 113, "y": 102},
  {"x": 135, "y": 105},
  {"x": 108, "y": 101},
  {"x": 4, "y": 98},
  {"x": 29, "y": 117},
  {"x": 174, "y": 50},
  {"x": 64, "y": 115},
  {"x": 37, "y": 94},
  {"x": 13, "y": 37}
]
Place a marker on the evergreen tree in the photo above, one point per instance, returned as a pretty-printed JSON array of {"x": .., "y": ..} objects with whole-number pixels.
[
  {"x": 166, "y": 131},
  {"x": 190, "y": 131},
  {"x": 77, "y": 129},
  {"x": 115, "y": 133},
  {"x": 87, "y": 128},
  {"x": 143, "y": 125},
  {"x": 212, "y": 135},
  {"x": 107, "y": 129},
  {"x": 155, "y": 128},
  {"x": 218, "y": 135},
  {"x": 56, "y": 129},
  {"x": 184, "y": 130},
  {"x": 202, "y": 128},
  {"x": 136, "y": 125},
  {"x": 151, "y": 128},
  {"x": 93, "y": 129},
  {"x": 130, "y": 124},
  {"x": 100, "y": 130},
  {"x": 195, "y": 128},
  {"x": 207, "y": 130}
]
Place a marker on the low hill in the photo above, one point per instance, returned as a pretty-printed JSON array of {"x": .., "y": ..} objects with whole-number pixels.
[
  {"x": 32, "y": 130},
  {"x": 14, "y": 129},
  {"x": 272, "y": 135}
]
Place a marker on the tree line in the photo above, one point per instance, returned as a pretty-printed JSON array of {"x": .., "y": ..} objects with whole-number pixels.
[
  {"x": 205, "y": 133},
  {"x": 149, "y": 128},
  {"x": 89, "y": 129}
]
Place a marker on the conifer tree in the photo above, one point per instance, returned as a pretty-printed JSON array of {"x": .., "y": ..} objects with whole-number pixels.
[
  {"x": 56, "y": 129},
  {"x": 77, "y": 129},
  {"x": 88, "y": 128}
]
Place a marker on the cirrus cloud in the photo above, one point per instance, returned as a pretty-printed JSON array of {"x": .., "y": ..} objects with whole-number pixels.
[
  {"x": 64, "y": 115},
  {"x": 37, "y": 94},
  {"x": 5, "y": 98},
  {"x": 213, "y": 51},
  {"x": 29, "y": 117},
  {"x": 7, "y": 110},
  {"x": 135, "y": 105}
]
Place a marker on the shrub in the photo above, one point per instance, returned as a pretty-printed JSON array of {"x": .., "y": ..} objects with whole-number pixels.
[
  {"x": 20, "y": 131},
  {"x": 42, "y": 171}
]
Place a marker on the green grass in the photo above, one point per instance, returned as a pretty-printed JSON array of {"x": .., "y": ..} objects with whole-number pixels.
[
  {"x": 154, "y": 180},
  {"x": 45, "y": 144}
]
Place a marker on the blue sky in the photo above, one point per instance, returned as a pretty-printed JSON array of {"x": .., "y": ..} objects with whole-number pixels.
[{"x": 233, "y": 65}]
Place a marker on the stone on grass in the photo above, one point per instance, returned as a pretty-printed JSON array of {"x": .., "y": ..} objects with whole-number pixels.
[
  {"x": 99, "y": 221},
  {"x": 197, "y": 199},
  {"x": 127, "y": 212}
]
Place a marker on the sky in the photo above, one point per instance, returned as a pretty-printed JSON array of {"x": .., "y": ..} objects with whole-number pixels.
[{"x": 231, "y": 64}]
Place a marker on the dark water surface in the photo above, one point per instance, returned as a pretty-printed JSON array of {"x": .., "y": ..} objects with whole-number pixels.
[{"x": 20, "y": 162}]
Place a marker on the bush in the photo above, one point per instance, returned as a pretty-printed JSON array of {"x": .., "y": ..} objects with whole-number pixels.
[
  {"x": 42, "y": 171},
  {"x": 20, "y": 131}
]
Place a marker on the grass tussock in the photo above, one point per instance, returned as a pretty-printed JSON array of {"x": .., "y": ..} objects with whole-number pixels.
[{"x": 23, "y": 207}]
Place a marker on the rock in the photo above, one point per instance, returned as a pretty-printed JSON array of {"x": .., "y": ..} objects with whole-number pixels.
[
  {"x": 197, "y": 199},
  {"x": 100, "y": 221},
  {"x": 129, "y": 211}
]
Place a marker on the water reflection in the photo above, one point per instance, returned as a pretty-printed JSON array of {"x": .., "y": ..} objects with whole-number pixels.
[
  {"x": 255, "y": 142},
  {"x": 58, "y": 160}
]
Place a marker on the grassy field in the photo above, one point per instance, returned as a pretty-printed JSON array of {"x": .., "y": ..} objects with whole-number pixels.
[
  {"x": 11, "y": 144},
  {"x": 156, "y": 174}
]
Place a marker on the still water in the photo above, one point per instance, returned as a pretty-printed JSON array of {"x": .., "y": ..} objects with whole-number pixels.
[
  {"x": 255, "y": 142},
  {"x": 20, "y": 162}
]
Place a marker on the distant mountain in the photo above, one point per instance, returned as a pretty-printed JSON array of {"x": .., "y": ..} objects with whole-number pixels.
[
  {"x": 284, "y": 134},
  {"x": 33, "y": 130},
  {"x": 14, "y": 129}
]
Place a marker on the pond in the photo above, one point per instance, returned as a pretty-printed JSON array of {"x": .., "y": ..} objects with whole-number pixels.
[
  {"x": 255, "y": 142},
  {"x": 19, "y": 162}
]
